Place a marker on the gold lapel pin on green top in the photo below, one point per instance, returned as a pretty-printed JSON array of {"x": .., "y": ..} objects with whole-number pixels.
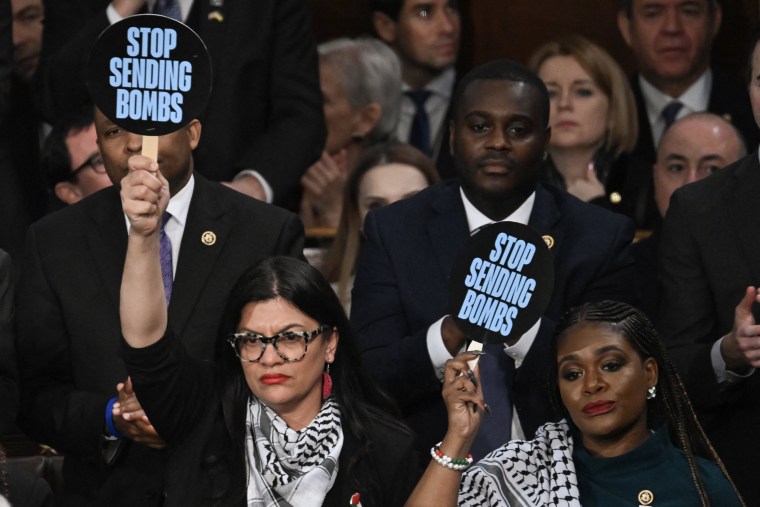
[
  {"x": 150, "y": 75},
  {"x": 501, "y": 282}
]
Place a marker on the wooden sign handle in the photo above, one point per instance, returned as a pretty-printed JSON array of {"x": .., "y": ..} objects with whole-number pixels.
[{"x": 150, "y": 147}]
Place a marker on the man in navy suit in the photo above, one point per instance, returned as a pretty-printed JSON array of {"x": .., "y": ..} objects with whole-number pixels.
[
  {"x": 498, "y": 134},
  {"x": 68, "y": 309}
]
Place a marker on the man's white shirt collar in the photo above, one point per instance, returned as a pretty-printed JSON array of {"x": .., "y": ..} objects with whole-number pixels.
[
  {"x": 441, "y": 85},
  {"x": 476, "y": 219},
  {"x": 695, "y": 99}
]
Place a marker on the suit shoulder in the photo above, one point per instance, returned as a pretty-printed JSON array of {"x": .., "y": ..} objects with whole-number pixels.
[
  {"x": 727, "y": 84},
  {"x": 415, "y": 206},
  {"x": 246, "y": 204},
  {"x": 704, "y": 191},
  {"x": 586, "y": 214},
  {"x": 73, "y": 215}
]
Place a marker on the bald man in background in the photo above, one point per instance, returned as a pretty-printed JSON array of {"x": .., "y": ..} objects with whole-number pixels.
[{"x": 693, "y": 148}]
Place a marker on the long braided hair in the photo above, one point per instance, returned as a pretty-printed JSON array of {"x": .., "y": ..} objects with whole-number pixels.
[{"x": 671, "y": 405}]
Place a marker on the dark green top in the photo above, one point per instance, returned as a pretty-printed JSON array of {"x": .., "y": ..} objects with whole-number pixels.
[{"x": 656, "y": 466}]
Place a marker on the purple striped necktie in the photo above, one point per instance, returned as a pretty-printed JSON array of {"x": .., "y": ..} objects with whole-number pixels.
[{"x": 167, "y": 273}]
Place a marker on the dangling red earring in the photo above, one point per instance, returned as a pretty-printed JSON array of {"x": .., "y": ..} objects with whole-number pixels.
[{"x": 326, "y": 383}]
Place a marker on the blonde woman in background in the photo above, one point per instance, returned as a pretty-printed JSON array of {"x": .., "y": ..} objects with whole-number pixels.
[{"x": 593, "y": 120}]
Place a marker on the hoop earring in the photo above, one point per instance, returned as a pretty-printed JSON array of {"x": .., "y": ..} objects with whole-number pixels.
[{"x": 327, "y": 382}]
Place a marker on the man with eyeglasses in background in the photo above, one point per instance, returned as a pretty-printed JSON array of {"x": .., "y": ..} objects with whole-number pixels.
[{"x": 71, "y": 160}]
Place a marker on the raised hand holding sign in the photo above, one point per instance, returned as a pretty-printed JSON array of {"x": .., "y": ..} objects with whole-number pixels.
[
  {"x": 150, "y": 75},
  {"x": 499, "y": 287},
  {"x": 501, "y": 283}
]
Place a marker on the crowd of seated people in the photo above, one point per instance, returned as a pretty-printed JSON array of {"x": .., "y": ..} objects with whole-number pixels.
[{"x": 162, "y": 331}]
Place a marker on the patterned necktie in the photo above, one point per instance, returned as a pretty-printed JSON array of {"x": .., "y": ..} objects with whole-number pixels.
[
  {"x": 419, "y": 135},
  {"x": 168, "y": 8},
  {"x": 496, "y": 372},
  {"x": 165, "y": 251},
  {"x": 670, "y": 112}
]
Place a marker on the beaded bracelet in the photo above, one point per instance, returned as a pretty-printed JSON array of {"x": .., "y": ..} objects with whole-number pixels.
[{"x": 448, "y": 461}]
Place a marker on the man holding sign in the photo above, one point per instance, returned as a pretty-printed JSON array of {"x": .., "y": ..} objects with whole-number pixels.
[
  {"x": 263, "y": 126},
  {"x": 68, "y": 312},
  {"x": 498, "y": 134}
]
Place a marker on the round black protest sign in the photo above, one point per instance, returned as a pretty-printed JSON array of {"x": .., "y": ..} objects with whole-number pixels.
[
  {"x": 149, "y": 74},
  {"x": 501, "y": 282}
]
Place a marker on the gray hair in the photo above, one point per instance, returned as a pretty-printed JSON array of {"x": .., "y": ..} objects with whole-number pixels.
[{"x": 370, "y": 72}]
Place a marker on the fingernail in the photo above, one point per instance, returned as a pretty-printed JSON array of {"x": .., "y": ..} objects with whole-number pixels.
[{"x": 477, "y": 352}]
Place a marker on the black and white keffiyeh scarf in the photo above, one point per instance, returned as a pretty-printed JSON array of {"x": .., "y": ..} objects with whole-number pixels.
[
  {"x": 287, "y": 467},
  {"x": 525, "y": 473}
]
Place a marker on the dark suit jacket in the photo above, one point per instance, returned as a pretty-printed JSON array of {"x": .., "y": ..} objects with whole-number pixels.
[
  {"x": 22, "y": 195},
  {"x": 8, "y": 370},
  {"x": 645, "y": 254},
  {"x": 265, "y": 111},
  {"x": 206, "y": 466},
  {"x": 68, "y": 322},
  {"x": 728, "y": 98},
  {"x": 401, "y": 288},
  {"x": 708, "y": 256}
]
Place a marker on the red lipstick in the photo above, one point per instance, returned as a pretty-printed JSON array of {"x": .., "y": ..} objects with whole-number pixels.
[
  {"x": 273, "y": 378},
  {"x": 598, "y": 407}
]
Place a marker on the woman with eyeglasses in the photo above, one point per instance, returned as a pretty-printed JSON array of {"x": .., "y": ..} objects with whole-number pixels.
[{"x": 286, "y": 415}]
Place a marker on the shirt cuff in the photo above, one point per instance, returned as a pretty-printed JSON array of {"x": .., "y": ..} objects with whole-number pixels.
[
  {"x": 267, "y": 187},
  {"x": 112, "y": 14},
  {"x": 519, "y": 350},
  {"x": 722, "y": 375},
  {"x": 438, "y": 352}
]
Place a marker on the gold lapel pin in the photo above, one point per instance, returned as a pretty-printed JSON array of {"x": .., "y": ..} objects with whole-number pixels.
[
  {"x": 215, "y": 16},
  {"x": 549, "y": 241},
  {"x": 646, "y": 497},
  {"x": 208, "y": 238}
]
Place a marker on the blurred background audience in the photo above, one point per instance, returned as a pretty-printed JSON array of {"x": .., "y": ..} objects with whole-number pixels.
[
  {"x": 361, "y": 83},
  {"x": 385, "y": 174}
]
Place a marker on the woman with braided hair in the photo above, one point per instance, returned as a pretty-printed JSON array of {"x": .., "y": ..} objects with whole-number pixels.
[{"x": 629, "y": 436}]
